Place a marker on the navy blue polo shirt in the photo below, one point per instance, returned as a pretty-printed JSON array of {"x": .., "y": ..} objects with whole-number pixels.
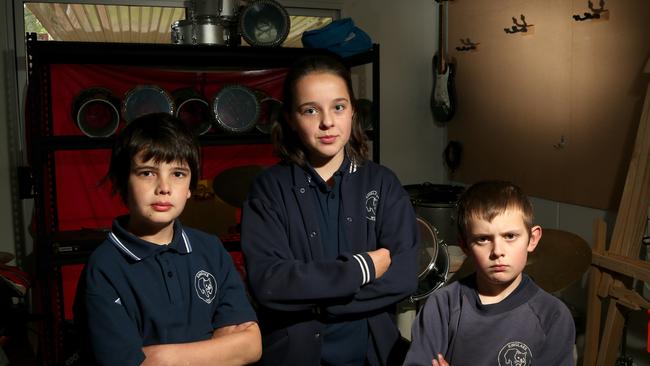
[
  {"x": 345, "y": 342},
  {"x": 138, "y": 293}
]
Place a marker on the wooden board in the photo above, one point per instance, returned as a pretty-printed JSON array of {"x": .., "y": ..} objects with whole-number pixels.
[{"x": 555, "y": 111}]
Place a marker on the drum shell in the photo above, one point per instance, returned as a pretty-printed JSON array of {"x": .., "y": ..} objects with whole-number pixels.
[
  {"x": 221, "y": 8},
  {"x": 436, "y": 277},
  {"x": 193, "y": 109},
  {"x": 235, "y": 108},
  {"x": 228, "y": 9},
  {"x": 264, "y": 23},
  {"x": 209, "y": 29},
  {"x": 99, "y": 99},
  {"x": 443, "y": 217},
  {"x": 145, "y": 99},
  {"x": 270, "y": 111},
  {"x": 436, "y": 203},
  {"x": 182, "y": 32}
]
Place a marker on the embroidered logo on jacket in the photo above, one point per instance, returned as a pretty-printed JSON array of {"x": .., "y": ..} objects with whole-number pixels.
[
  {"x": 205, "y": 285},
  {"x": 372, "y": 200},
  {"x": 515, "y": 354}
]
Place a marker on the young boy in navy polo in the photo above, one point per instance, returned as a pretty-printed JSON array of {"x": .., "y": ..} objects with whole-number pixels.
[
  {"x": 498, "y": 315},
  {"x": 156, "y": 292}
]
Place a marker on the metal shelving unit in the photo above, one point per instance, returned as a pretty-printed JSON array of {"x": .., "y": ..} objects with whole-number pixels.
[{"x": 43, "y": 143}]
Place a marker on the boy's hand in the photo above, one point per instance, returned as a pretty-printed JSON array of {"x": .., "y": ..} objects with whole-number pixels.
[
  {"x": 381, "y": 260},
  {"x": 440, "y": 361}
]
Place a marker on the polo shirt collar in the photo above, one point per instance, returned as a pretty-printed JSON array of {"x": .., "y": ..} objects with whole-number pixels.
[
  {"x": 313, "y": 178},
  {"x": 137, "y": 249}
]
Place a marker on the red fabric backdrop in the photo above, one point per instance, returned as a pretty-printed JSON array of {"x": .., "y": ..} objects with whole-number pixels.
[{"x": 81, "y": 201}]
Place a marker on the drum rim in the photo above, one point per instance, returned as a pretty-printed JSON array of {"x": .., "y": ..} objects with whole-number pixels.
[
  {"x": 96, "y": 94},
  {"x": 436, "y": 241},
  {"x": 219, "y": 119},
  {"x": 282, "y": 36},
  {"x": 203, "y": 127},
  {"x": 260, "y": 126},
  {"x": 114, "y": 124},
  {"x": 137, "y": 88},
  {"x": 417, "y": 296}
]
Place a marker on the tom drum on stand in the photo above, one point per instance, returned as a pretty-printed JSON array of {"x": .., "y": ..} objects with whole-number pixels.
[
  {"x": 433, "y": 262},
  {"x": 436, "y": 203}
]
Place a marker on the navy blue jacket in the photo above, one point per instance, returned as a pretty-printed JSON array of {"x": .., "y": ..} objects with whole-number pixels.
[{"x": 297, "y": 289}]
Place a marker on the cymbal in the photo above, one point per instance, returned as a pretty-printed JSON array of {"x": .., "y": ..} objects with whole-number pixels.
[
  {"x": 560, "y": 259},
  {"x": 211, "y": 215},
  {"x": 232, "y": 185}
]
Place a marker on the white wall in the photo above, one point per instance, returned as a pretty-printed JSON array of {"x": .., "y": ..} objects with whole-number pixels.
[{"x": 411, "y": 143}]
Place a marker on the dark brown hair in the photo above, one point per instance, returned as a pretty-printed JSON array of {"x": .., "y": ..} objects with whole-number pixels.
[
  {"x": 161, "y": 137},
  {"x": 487, "y": 199},
  {"x": 286, "y": 142}
]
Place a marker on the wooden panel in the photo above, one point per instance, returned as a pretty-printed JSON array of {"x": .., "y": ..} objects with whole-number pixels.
[{"x": 555, "y": 111}]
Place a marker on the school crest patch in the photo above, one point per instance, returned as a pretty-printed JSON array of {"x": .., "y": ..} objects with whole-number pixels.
[
  {"x": 515, "y": 354},
  {"x": 372, "y": 200},
  {"x": 205, "y": 285}
]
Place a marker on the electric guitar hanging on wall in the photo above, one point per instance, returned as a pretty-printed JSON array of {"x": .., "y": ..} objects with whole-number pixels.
[{"x": 443, "y": 99}]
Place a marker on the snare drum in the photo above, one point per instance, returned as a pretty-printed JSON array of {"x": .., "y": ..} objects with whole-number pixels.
[
  {"x": 182, "y": 32},
  {"x": 204, "y": 29},
  {"x": 433, "y": 262},
  {"x": 209, "y": 29}
]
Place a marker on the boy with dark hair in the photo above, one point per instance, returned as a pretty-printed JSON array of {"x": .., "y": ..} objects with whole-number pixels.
[
  {"x": 156, "y": 292},
  {"x": 497, "y": 316}
]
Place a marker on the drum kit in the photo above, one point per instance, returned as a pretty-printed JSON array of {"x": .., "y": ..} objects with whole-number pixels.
[{"x": 262, "y": 23}]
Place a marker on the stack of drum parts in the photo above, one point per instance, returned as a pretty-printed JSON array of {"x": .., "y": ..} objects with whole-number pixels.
[
  {"x": 224, "y": 22},
  {"x": 236, "y": 108}
]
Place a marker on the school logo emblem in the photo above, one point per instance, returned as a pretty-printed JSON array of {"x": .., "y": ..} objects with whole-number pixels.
[
  {"x": 515, "y": 354},
  {"x": 206, "y": 286},
  {"x": 372, "y": 200}
]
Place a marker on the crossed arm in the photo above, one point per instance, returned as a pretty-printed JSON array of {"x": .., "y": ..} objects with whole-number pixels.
[{"x": 239, "y": 344}]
